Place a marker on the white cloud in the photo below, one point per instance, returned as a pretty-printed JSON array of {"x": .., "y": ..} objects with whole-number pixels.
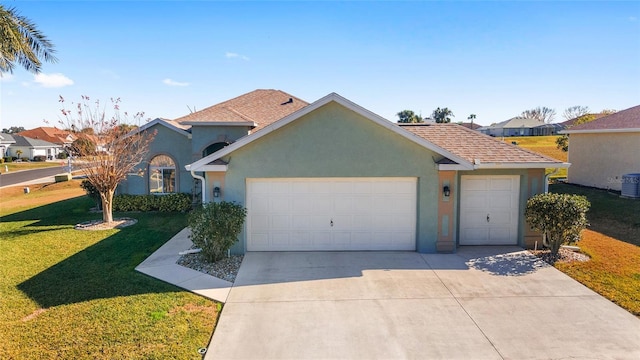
[
  {"x": 232, "y": 55},
  {"x": 52, "y": 80},
  {"x": 174, "y": 83},
  {"x": 6, "y": 77}
]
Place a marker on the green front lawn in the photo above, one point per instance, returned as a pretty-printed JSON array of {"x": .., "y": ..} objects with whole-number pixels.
[
  {"x": 612, "y": 242},
  {"x": 75, "y": 294}
]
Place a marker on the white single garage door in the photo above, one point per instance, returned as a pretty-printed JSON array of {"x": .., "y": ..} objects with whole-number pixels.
[
  {"x": 311, "y": 214},
  {"x": 489, "y": 210}
]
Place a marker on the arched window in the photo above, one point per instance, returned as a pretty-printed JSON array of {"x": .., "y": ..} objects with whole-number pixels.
[
  {"x": 213, "y": 148},
  {"x": 162, "y": 175}
]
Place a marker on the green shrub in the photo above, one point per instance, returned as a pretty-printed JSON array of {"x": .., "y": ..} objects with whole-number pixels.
[
  {"x": 560, "y": 217},
  {"x": 215, "y": 228},
  {"x": 24, "y": 158},
  {"x": 166, "y": 203},
  {"x": 8, "y": 159},
  {"x": 39, "y": 158},
  {"x": 92, "y": 192},
  {"x": 61, "y": 156}
]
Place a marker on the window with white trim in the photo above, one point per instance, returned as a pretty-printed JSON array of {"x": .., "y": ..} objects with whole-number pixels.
[{"x": 162, "y": 175}]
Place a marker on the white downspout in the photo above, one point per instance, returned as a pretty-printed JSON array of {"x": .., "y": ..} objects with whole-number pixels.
[
  {"x": 202, "y": 183},
  {"x": 546, "y": 190},
  {"x": 546, "y": 179}
]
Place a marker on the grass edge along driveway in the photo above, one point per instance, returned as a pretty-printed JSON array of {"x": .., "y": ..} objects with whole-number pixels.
[
  {"x": 75, "y": 294},
  {"x": 612, "y": 241}
]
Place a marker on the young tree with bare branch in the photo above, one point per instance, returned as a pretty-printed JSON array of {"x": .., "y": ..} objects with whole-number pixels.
[
  {"x": 542, "y": 114},
  {"x": 117, "y": 152}
]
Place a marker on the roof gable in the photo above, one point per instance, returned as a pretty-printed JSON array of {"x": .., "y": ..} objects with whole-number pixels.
[
  {"x": 623, "y": 121},
  {"x": 258, "y": 109},
  {"x": 467, "y": 148},
  {"x": 170, "y": 124}
]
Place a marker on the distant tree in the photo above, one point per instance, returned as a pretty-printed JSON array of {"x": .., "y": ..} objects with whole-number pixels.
[
  {"x": 542, "y": 114},
  {"x": 471, "y": 118},
  {"x": 576, "y": 111},
  {"x": 13, "y": 130},
  {"x": 19, "y": 153},
  {"x": 22, "y": 43},
  {"x": 122, "y": 152},
  {"x": 443, "y": 115},
  {"x": 562, "y": 142},
  {"x": 83, "y": 146},
  {"x": 408, "y": 116}
]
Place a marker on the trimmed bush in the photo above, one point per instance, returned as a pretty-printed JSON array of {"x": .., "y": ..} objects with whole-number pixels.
[
  {"x": 559, "y": 217},
  {"x": 62, "y": 156},
  {"x": 8, "y": 159},
  {"x": 39, "y": 158},
  {"x": 215, "y": 228},
  {"x": 165, "y": 203}
]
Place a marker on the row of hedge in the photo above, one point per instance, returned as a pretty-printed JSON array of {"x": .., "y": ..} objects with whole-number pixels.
[{"x": 164, "y": 203}]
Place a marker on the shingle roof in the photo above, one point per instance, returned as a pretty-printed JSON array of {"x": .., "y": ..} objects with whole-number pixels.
[
  {"x": 26, "y": 141},
  {"x": 262, "y": 106},
  {"x": 475, "y": 147},
  {"x": 516, "y": 122},
  {"x": 6, "y": 138},
  {"x": 470, "y": 125},
  {"x": 50, "y": 134},
  {"x": 625, "y": 119}
]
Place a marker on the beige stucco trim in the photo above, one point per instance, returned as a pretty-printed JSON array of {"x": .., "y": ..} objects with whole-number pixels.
[{"x": 445, "y": 241}]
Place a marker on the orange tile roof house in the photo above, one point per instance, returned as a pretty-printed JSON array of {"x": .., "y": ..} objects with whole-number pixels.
[
  {"x": 50, "y": 134},
  {"x": 604, "y": 150},
  {"x": 331, "y": 175}
]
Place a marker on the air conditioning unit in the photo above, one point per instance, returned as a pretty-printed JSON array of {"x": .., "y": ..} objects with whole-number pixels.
[{"x": 631, "y": 186}]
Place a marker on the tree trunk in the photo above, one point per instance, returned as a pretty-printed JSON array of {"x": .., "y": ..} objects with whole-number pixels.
[{"x": 107, "y": 206}]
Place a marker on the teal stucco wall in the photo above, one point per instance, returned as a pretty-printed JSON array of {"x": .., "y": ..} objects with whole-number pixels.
[
  {"x": 334, "y": 141},
  {"x": 203, "y": 136},
  {"x": 166, "y": 142}
]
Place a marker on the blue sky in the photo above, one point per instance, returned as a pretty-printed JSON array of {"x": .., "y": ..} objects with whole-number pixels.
[{"x": 493, "y": 59}]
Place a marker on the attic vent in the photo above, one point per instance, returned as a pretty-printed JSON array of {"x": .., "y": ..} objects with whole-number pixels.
[
  {"x": 631, "y": 185},
  {"x": 288, "y": 101}
]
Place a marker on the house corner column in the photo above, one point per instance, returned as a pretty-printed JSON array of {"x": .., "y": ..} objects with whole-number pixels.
[{"x": 445, "y": 241}]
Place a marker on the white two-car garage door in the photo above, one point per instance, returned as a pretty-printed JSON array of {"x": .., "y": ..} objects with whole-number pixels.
[
  {"x": 489, "y": 208},
  {"x": 311, "y": 214}
]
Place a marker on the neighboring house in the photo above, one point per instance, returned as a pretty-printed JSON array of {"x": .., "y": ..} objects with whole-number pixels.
[
  {"x": 6, "y": 140},
  {"x": 53, "y": 135},
  {"x": 332, "y": 175},
  {"x": 29, "y": 148},
  {"x": 603, "y": 150},
  {"x": 519, "y": 126}
]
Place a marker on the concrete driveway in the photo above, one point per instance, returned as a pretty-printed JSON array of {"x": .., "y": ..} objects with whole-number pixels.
[{"x": 480, "y": 303}]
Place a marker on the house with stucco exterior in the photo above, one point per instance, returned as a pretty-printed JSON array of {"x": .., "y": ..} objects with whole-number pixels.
[
  {"x": 603, "y": 150},
  {"x": 520, "y": 126},
  {"x": 331, "y": 176}
]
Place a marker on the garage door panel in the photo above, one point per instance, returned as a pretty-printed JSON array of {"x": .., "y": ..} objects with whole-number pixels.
[
  {"x": 501, "y": 184},
  {"x": 367, "y": 214},
  {"x": 489, "y": 208}
]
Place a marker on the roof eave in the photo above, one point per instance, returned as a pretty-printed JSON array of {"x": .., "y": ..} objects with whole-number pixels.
[
  {"x": 221, "y": 123},
  {"x": 523, "y": 165},
  {"x": 595, "y": 131}
]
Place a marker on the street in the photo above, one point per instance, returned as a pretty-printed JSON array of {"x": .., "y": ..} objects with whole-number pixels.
[{"x": 12, "y": 178}]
